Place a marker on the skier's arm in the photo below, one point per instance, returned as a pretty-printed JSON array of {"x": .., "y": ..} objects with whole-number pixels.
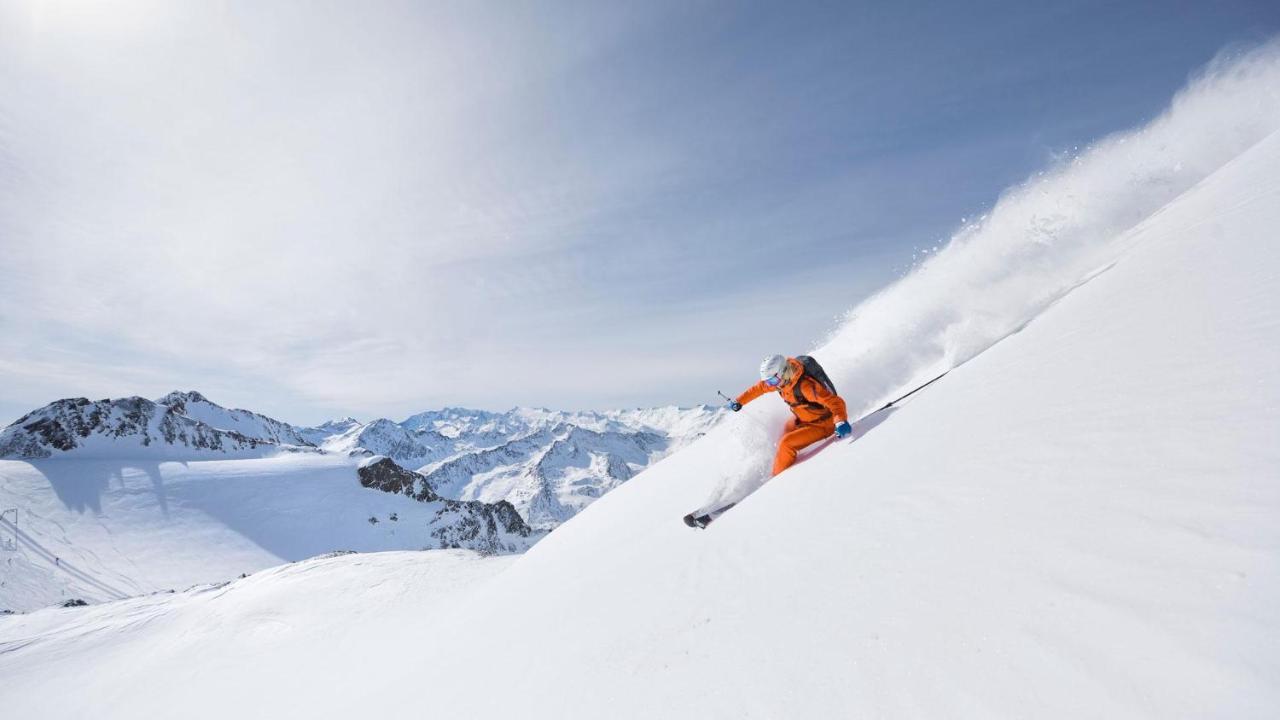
[
  {"x": 754, "y": 392},
  {"x": 831, "y": 401}
]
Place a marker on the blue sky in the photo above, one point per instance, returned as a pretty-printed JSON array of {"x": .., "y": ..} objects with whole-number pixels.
[{"x": 321, "y": 209}]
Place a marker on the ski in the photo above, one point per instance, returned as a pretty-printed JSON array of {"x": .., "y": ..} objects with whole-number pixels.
[{"x": 701, "y": 521}]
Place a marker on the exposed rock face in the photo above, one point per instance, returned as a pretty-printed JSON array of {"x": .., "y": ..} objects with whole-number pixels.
[
  {"x": 485, "y": 527},
  {"x": 382, "y": 473},
  {"x": 482, "y": 526},
  {"x": 115, "y": 426}
]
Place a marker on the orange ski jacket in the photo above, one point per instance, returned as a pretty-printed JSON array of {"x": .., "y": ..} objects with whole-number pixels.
[{"x": 809, "y": 399}]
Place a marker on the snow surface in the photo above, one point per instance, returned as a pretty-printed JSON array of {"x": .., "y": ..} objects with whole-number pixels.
[
  {"x": 1079, "y": 521},
  {"x": 107, "y": 529}
]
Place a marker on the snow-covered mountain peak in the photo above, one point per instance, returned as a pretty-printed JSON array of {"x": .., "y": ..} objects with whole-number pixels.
[
  {"x": 384, "y": 437},
  {"x": 454, "y": 421},
  {"x": 177, "y": 398},
  {"x": 196, "y": 406},
  {"x": 319, "y": 434},
  {"x": 122, "y": 427}
]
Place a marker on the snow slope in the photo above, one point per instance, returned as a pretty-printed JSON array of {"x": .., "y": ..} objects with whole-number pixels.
[
  {"x": 1080, "y": 521},
  {"x": 107, "y": 529}
]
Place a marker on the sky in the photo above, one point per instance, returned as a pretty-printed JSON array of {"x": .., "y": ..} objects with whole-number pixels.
[{"x": 323, "y": 209}]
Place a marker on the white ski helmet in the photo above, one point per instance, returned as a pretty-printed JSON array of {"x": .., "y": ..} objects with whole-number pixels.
[{"x": 772, "y": 365}]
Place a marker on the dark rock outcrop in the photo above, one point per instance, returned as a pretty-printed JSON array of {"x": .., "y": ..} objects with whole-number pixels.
[
  {"x": 485, "y": 527},
  {"x": 384, "y": 474}
]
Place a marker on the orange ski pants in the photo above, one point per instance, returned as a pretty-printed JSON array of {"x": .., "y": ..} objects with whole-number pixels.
[{"x": 798, "y": 436}]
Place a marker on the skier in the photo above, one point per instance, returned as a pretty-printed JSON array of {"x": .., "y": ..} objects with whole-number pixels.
[{"x": 818, "y": 410}]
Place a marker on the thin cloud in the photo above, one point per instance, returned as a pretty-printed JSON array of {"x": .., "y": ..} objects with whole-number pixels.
[{"x": 332, "y": 209}]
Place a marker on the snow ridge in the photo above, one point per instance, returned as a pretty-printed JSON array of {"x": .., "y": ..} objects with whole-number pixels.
[
  {"x": 247, "y": 423},
  {"x": 384, "y": 437}
]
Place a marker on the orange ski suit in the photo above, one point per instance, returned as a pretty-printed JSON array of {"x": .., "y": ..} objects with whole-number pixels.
[{"x": 817, "y": 410}]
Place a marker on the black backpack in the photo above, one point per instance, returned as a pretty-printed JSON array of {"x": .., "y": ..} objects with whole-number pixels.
[{"x": 815, "y": 371}]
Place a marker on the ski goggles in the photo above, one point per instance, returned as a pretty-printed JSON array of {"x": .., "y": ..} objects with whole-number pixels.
[{"x": 773, "y": 380}]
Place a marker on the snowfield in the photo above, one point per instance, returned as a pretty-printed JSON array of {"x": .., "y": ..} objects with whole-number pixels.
[
  {"x": 115, "y": 528},
  {"x": 1080, "y": 520}
]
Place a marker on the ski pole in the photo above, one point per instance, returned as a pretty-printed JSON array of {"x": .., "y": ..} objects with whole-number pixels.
[
  {"x": 726, "y": 397},
  {"x": 890, "y": 404}
]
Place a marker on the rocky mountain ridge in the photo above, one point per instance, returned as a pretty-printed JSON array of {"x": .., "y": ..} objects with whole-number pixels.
[
  {"x": 132, "y": 425},
  {"x": 252, "y": 424}
]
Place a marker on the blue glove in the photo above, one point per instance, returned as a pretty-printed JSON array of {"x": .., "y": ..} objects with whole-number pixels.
[
  {"x": 843, "y": 430},
  {"x": 734, "y": 405}
]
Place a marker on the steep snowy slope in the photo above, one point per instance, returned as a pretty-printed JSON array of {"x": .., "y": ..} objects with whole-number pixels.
[{"x": 1080, "y": 521}]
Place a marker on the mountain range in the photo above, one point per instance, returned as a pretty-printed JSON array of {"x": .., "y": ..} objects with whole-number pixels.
[{"x": 548, "y": 464}]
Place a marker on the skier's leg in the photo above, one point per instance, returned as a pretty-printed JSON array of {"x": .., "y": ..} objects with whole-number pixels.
[
  {"x": 795, "y": 439},
  {"x": 786, "y": 455}
]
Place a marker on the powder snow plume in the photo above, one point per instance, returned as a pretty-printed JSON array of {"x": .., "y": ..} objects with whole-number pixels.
[
  {"x": 1049, "y": 234},
  {"x": 1042, "y": 239}
]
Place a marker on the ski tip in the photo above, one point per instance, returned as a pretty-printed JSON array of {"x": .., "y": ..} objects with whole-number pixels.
[{"x": 697, "y": 522}]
